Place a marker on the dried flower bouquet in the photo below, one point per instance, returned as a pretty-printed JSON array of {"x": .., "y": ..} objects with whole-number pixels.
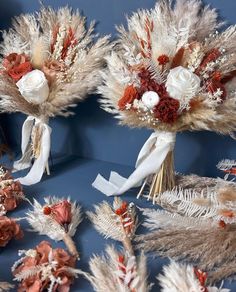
[
  {"x": 49, "y": 62},
  {"x": 58, "y": 218},
  {"x": 171, "y": 71}
]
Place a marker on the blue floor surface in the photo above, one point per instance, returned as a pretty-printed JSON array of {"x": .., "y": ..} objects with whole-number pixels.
[{"x": 73, "y": 177}]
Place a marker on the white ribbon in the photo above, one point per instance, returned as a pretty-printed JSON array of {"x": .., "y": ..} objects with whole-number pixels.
[
  {"x": 149, "y": 161},
  {"x": 36, "y": 172}
]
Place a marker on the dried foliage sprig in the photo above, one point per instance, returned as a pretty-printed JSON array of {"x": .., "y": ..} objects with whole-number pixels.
[
  {"x": 118, "y": 222},
  {"x": 11, "y": 192},
  {"x": 228, "y": 167},
  {"x": 4, "y": 286},
  {"x": 210, "y": 245},
  {"x": 118, "y": 272},
  {"x": 57, "y": 218},
  {"x": 218, "y": 203},
  {"x": 44, "y": 268},
  {"x": 178, "y": 277}
]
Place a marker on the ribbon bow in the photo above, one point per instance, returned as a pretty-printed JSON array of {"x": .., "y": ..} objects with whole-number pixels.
[
  {"x": 149, "y": 161},
  {"x": 36, "y": 172}
]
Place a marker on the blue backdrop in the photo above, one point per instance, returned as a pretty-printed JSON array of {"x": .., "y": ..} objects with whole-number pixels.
[{"x": 91, "y": 133}]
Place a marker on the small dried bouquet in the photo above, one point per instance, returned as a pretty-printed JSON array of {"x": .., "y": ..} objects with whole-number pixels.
[
  {"x": 171, "y": 71},
  {"x": 49, "y": 62},
  {"x": 44, "y": 268},
  {"x": 58, "y": 219}
]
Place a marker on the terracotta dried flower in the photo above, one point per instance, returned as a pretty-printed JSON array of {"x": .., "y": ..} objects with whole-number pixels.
[
  {"x": 44, "y": 268},
  {"x": 9, "y": 229}
]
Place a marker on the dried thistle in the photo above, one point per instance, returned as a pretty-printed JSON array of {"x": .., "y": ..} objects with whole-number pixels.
[
  {"x": 181, "y": 277},
  {"x": 118, "y": 222},
  {"x": 210, "y": 245},
  {"x": 118, "y": 272},
  {"x": 58, "y": 218}
]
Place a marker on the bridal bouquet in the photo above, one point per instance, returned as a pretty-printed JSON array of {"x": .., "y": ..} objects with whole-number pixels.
[
  {"x": 171, "y": 71},
  {"x": 49, "y": 62}
]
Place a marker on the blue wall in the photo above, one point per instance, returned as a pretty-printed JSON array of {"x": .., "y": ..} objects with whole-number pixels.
[{"x": 94, "y": 133}]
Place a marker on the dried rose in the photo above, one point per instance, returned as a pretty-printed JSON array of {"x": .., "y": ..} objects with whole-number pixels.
[
  {"x": 181, "y": 80},
  {"x": 9, "y": 229},
  {"x": 130, "y": 94},
  {"x": 61, "y": 212},
  {"x": 167, "y": 110},
  {"x": 17, "y": 65}
]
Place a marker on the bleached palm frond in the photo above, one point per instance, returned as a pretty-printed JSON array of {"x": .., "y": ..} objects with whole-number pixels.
[
  {"x": 112, "y": 225},
  {"x": 208, "y": 204},
  {"x": 160, "y": 219},
  {"x": 118, "y": 272},
  {"x": 178, "y": 277}
]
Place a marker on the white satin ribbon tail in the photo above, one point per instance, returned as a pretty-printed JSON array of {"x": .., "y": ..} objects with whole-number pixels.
[
  {"x": 149, "y": 161},
  {"x": 36, "y": 172}
]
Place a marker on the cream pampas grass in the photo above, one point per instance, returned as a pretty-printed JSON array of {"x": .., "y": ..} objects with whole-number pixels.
[
  {"x": 4, "y": 286},
  {"x": 206, "y": 242}
]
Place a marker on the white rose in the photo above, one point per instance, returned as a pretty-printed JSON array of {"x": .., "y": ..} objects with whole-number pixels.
[
  {"x": 182, "y": 83},
  {"x": 34, "y": 87},
  {"x": 150, "y": 99}
]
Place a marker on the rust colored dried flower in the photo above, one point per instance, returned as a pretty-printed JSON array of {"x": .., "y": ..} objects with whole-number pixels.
[
  {"x": 55, "y": 265},
  {"x": 17, "y": 65},
  {"x": 61, "y": 212},
  {"x": 167, "y": 110},
  {"x": 11, "y": 194},
  {"x": 129, "y": 96},
  {"x": 163, "y": 60},
  {"x": 9, "y": 229}
]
